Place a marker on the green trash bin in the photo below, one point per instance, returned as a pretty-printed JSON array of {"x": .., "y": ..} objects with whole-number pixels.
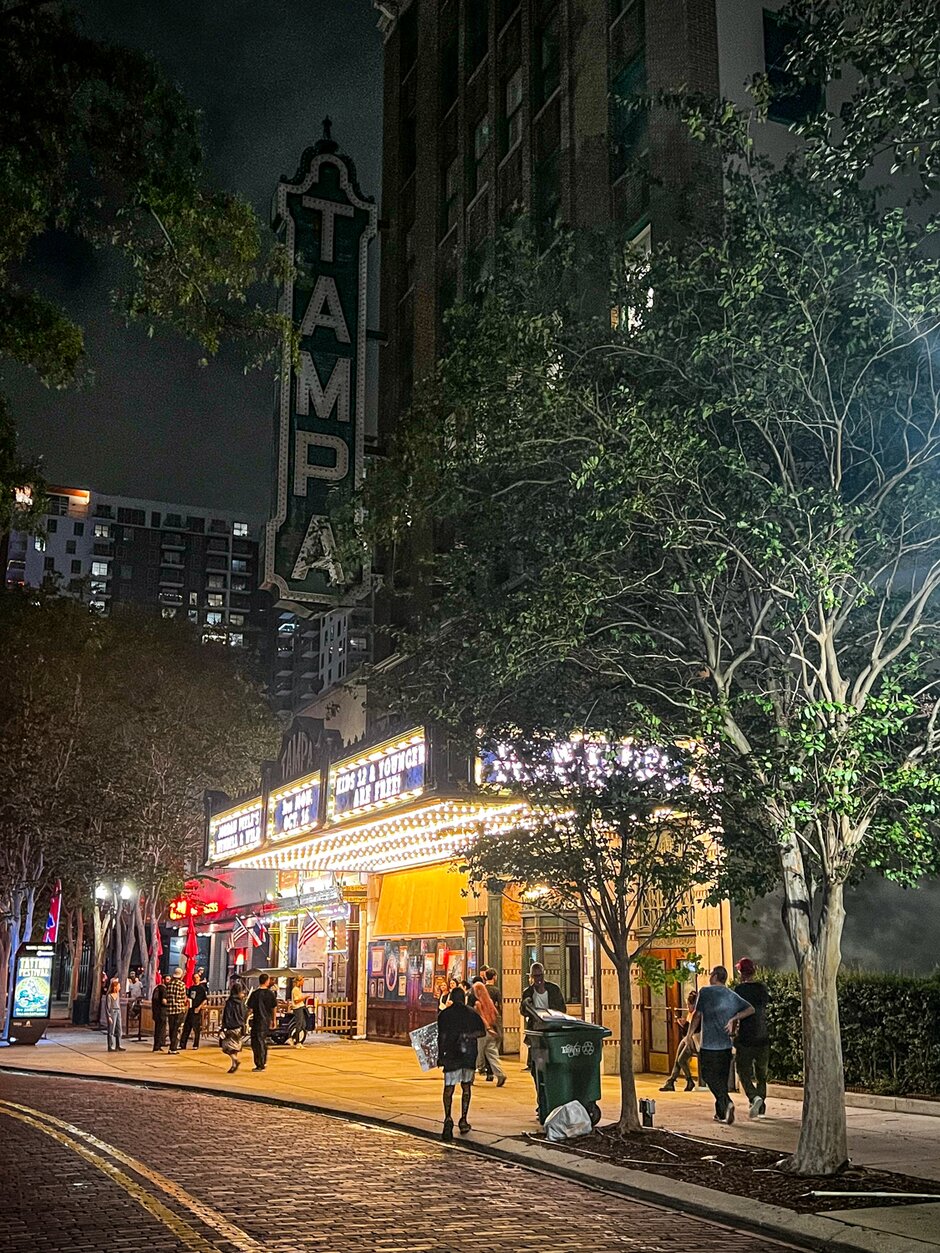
[{"x": 565, "y": 1060}]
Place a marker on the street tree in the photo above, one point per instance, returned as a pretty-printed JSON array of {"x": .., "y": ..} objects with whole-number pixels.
[
  {"x": 622, "y": 835},
  {"x": 95, "y": 141},
  {"x": 726, "y": 507},
  {"x": 111, "y": 730}
]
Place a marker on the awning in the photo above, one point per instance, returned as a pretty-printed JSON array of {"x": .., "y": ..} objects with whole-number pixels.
[{"x": 423, "y": 902}]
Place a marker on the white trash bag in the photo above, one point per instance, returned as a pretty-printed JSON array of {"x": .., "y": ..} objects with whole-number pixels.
[{"x": 567, "y": 1122}]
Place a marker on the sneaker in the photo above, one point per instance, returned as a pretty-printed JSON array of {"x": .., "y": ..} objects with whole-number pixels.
[
  {"x": 173, "y": 1052},
  {"x": 448, "y": 1132},
  {"x": 755, "y": 1108},
  {"x": 762, "y": 1112},
  {"x": 500, "y": 1081},
  {"x": 729, "y": 1114},
  {"x": 464, "y": 1126},
  {"x": 689, "y": 1087},
  {"x": 299, "y": 1046},
  {"x": 669, "y": 1087},
  {"x": 121, "y": 1048},
  {"x": 257, "y": 1068}
]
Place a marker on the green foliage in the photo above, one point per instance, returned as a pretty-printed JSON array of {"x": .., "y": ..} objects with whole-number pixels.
[
  {"x": 95, "y": 141},
  {"x": 889, "y": 1025}
]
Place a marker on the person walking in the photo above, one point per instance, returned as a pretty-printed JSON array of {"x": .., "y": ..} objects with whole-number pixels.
[
  {"x": 113, "y": 1017},
  {"x": 684, "y": 1052},
  {"x": 177, "y": 1002},
  {"x": 458, "y": 1029},
  {"x": 158, "y": 1010},
  {"x": 232, "y": 1029},
  {"x": 488, "y": 1044},
  {"x": 717, "y": 1010},
  {"x": 135, "y": 998},
  {"x": 261, "y": 1004},
  {"x": 752, "y": 1046},
  {"x": 198, "y": 996},
  {"x": 298, "y": 1006}
]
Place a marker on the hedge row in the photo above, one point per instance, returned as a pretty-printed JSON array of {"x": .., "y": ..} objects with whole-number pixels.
[{"x": 890, "y": 1031}]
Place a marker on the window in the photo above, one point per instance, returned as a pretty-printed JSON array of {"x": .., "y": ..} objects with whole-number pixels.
[
  {"x": 173, "y": 520},
  {"x": 239, "y": 565},
  {"x": 102, "y": 530},
  {"x": 512, "y": 111},
  {"x": 78, "y": 528},
  {"x": 168, "y": 611},
  {"x": 237, "y": 639},
  {"x": 239, "y": 585},
  {"x": 154, "y": 518},
  {"x": 98, "y": 587},
  {"x": 215, "y": 599},
  {"x": 214, "y": 619},
  {"x": 39, "y": 543},
  {"x": 481, "y": 144},
  {"x": 451, "y": 193},
  {"x": 52, "y": 526},
  {"x": 70, "y": 546},
  {"x": 76, "y": 567},
  {"x": 127, "y": 572},
  {"x": 237, "y": 619},
  {"x": 128, "y": 534},
  {"x": 216, "y": 581},
  {"x": 240, "y": 529},
  {"x": 99, "y": 605},
  {"x": 193, "y": 615},
  {"x": 136, "y": 517},
  {"x": 478, "y": 24},
  {"x": 792, "y": 101},
  {"x": 629, "y": 125},
  {"x": 194, "y": 598},
  {"x": 48, "y": 564},
  {"x": 99, "y": 569},
  {"x": 547, "y": 67},
  {"x": 169, "y": 557},
  {"x": 196, "y": 524}
]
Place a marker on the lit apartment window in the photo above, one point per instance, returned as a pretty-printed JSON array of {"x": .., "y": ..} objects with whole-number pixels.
[
  {"x": 194, "y": 598},
  {"x": 240, "y": 529},
  {"x": 97, "y": 605},
  {"x": 168, "y": 611},
  {"x": 214, "y": 619},
  {"x": 216, "y": 581},
  {"x": 237, "y": 619},
  {"x": 239, "y": 565},
  {"x": 39, "y": 543},
  {"x": 102, "y": 530},
  {"x": 98, "y": 587},
  {"x": 236, "y": 639},
  {"x": 215, "y": 599},
  {"x": 99, "y": 569}
]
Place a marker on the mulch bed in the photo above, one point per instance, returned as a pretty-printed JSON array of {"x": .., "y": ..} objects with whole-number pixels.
[{"x": 743, "y": 1170}]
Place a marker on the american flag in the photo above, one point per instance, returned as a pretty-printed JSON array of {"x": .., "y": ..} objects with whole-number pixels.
[
  {"x": 309, "y": 929},
  {"x": 257, "y": 932},
  {"x": 239, "y": 932}
]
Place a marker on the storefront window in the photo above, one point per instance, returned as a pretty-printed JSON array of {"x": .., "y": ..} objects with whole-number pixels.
[{"x": 556, "y": 943}]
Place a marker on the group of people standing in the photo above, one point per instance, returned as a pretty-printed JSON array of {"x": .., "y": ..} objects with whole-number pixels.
[
  {"x": 727, "y": 1026},
  {"x": 179, "y": 1011},
  {"x": 469, "y": 1033}
]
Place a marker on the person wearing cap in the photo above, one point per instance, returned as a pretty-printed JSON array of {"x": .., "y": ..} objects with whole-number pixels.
[{"x": 752, "y": 1046}]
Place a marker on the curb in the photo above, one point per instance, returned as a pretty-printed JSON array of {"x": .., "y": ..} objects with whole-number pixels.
[
  {"x": 866, "y": 1100},
  {"x": 808, "y": 1231}
]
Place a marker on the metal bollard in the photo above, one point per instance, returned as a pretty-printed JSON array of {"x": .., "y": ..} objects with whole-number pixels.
[{"x": 647, "y": 1110}]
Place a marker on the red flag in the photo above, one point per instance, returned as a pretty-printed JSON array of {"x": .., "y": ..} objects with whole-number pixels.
[
  {"x": 191, "y": 951},
  {"x": 55, "y": 909}
]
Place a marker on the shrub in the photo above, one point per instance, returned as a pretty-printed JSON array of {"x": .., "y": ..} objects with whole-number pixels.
[{"x": 890, "y": 1031}]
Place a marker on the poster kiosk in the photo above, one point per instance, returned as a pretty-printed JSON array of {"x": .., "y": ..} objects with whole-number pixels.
[{"x": 32, "y": 993}]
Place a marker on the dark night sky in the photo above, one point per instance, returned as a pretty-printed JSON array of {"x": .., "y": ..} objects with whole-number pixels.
[{"x": 263, "y": 73}]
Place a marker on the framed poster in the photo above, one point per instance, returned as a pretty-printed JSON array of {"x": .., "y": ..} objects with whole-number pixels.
[
  {"x": 402, "y": 985},
  {"x": 380, "y": 989},
  {"x": 455, "y": 964},
  {"x": 441, "y": 956},
  {"x": 372, "y": 989},
  {"x": 427, "y": 978},
  {"x": 403, "y": 957},
  {"x": 377, "y": 959}
]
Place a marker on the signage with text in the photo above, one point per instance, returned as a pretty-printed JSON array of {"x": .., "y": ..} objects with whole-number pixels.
[
  {"x": 385, "y": 775},
  {"x": 294, "y": 810},
  {"x": 235, "y": 831},
  {"x": 326, "y": 225},
  {"x": 32, "y": 981},
  {"x": 183, "y": 908}
]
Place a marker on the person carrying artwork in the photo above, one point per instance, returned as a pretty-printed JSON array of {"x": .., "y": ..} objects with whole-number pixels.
[
  {"x": 458, "y": 1029},
  {"x": 488, "y": 1044}
]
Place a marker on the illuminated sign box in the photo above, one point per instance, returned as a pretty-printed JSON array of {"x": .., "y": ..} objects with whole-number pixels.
[
  {"x": 32, "y": 981},
  {"x": 183, "y": 908},
  {"x": 386, "y": 775},
  {"x": 236, "y": 830},
  {"x": 295, "y": 809}
]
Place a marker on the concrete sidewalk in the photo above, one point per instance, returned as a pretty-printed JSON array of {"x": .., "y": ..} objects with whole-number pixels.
[{"x": 383, "y": 1082}]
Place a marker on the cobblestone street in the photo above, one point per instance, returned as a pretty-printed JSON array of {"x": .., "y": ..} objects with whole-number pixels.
[{"x": 91, "y": 1166}]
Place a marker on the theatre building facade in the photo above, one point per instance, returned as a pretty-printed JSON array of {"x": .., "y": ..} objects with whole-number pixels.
[{"x": 365, "y": 841}]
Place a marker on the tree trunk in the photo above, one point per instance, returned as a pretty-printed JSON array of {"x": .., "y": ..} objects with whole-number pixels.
[
  {"x": 629, "y": 1114},
  {"x": 14, "y": 937},
  {"x": 823, "y": 1145},
  {"x": 101, "y": 921},
  {"x": 76, "y": 934},
  {"x": 5, "y": 942},
  {"x": 30, "y": 911},
  {"x": 141, "y": 935}
]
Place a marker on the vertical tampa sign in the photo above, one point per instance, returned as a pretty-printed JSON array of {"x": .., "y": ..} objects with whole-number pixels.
[{"x": 326, "y": 225}]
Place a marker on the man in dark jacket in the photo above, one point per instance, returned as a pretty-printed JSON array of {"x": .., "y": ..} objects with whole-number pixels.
[
  {"x": 540, "y": 994},
  {"x": 458, "y": 1029},
  {"x": 261, "y": 1004},
  {"x": 198, "y": 995}
]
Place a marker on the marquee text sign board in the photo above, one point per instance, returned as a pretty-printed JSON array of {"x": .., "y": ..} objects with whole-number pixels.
[
  {"x": 237, "y": 830},
  {"x": 326, "y": 225},
  {"x": 385, "y": 775},
  {"x": 294, "y": 810}
]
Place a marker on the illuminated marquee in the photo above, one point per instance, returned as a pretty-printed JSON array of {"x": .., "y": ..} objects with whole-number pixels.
[
  {"x": 234, "y": 831},
  {"x": 183, "y": 908},
  {"x": 295, "y": 809},
  {"x": 388, "y": 774}
]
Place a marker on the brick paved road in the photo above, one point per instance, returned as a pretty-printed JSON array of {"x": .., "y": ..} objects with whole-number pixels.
[{"x": 94, "y": 1166}]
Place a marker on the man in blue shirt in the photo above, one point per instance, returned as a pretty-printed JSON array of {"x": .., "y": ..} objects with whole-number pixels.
[{"x": 717, "y": 1009}]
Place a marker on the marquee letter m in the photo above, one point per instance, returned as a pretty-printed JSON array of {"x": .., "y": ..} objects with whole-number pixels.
[{"x": 335, "y": 394}]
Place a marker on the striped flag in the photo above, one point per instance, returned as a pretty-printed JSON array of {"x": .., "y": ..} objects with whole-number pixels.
[
  {"x": 52, "y": 920},
  {"x": 309, "y": 929},
  {"x": 239, "y": 932},
  {"x": 257, "y": 932}
]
